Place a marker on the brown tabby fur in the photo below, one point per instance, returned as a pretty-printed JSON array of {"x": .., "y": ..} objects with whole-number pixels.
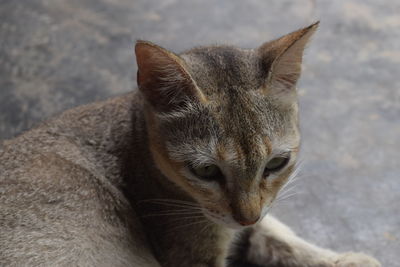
[{"x": 107, "y": 184}]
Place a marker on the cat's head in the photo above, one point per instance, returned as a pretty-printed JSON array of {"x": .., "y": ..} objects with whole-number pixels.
[{"x": 223, "y": 122}]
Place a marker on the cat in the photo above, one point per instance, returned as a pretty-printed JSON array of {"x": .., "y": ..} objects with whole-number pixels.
[{"x": 181, "y": 172}]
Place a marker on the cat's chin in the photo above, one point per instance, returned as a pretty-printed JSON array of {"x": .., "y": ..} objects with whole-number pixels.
[{"x": 235, "y": 227}]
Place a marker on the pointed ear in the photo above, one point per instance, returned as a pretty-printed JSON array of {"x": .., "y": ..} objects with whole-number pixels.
[
  {"x": 162, "y": 78},
  {"x": 282, "y": 59}
]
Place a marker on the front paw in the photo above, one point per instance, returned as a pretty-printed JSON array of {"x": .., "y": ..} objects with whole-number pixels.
[{"x": 356, "y": 260}]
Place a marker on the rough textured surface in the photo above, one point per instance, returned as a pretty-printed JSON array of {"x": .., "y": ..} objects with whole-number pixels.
[{"x": 58, "y": 54}]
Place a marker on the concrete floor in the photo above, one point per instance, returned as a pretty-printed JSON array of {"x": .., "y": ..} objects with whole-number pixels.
[{"x": 56, "y": 54}]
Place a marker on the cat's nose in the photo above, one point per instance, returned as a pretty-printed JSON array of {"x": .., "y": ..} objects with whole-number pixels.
[
  {"x": 246, "y": 221},
  {"x": 246, "y": 208}
]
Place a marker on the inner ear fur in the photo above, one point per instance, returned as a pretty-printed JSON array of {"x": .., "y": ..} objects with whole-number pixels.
[{"x": 282, "y": 59}]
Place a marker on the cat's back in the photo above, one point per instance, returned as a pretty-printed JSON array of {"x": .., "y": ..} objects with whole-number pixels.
[
  {"x": 60, "y": 197},
  {"x": 89, "y": 138}
]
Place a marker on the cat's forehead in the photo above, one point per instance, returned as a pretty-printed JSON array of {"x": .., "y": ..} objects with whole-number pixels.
[
  {"x": 220, "y": 69},
  {"x": 245, "y": 129}
]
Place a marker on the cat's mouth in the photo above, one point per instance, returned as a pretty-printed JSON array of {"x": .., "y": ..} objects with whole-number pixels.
[
  {"x": 226, "y": 220},
  {"x": 229, "y": 221}
]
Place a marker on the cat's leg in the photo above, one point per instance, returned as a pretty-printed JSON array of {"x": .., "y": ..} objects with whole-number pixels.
[{"x": 271, "y": 243}]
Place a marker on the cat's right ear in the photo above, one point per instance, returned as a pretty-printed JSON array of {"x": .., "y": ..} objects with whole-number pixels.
[
  {"x": 162, "y": 78},
  {"x": 282, "y": 58}
]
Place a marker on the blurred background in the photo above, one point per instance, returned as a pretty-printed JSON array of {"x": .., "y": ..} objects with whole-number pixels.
[{"x": 57, "y": 54}]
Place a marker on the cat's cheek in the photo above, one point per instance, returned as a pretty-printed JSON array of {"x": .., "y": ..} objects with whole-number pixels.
[
  {"x": 170, "y": 169},
  {"x": 278, "y": 182},
  {"x": 271, "y": 187},
  {"x": 212, "y": 201}
]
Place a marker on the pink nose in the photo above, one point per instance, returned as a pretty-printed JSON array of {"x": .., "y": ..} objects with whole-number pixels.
[{"x": 248, "y": 222}]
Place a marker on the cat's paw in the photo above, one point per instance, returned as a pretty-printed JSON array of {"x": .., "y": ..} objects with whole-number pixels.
[{"x": 356, "y": 260}]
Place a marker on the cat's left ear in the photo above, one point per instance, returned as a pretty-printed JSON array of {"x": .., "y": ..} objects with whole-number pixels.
[{"x": 282, "y": 58}]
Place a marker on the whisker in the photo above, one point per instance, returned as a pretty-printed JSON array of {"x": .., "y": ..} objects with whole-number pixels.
[
  {"x": 188, "y": 217},
  {"x": 287, "y": 191},
  {"x": 172, "y": 203},
  {"x": 171, "y": 214},
  {"x": 177, "y": 205},
  {"x": 186, "y": 225},
  {"x": 179, "y": 209},
  {"x": 289, "y": 183},
  {"x": 286, "y": 197},
  {"x": 166, "y": 200},
  {"x": 205, "y": 227},
  {"x": 294, "y": 177}
]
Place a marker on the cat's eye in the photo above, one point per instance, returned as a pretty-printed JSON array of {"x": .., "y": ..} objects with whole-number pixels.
[
  {"x": 207, "y": 172},
  {"x": 275, "y": 164}
]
